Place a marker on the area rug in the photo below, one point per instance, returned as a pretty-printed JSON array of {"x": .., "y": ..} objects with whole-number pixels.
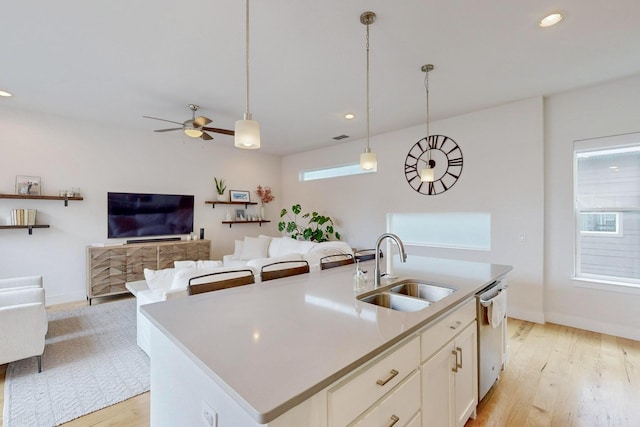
[{"x": 91, "y": 361}]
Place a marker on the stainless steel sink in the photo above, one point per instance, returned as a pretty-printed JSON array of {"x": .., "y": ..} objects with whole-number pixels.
[
  {"x": 395, "y": 301},
  {"x": 425, "y": 291}
]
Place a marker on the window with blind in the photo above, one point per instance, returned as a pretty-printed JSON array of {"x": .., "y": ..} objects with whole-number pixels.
[{"x": 607, "y": 207}]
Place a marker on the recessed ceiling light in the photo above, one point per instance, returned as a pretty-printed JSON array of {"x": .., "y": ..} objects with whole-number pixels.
[
  {"x": 4, "y": 93},
  {"x": 551, "y": 19},
  {"x": 349, "y": 116}
]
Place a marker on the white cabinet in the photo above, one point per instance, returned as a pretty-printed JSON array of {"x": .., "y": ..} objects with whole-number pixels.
[
  {"x": 450, "y": 372},
  {"x": 398, "y": 409},
  {"x": 359, "y": 393}
]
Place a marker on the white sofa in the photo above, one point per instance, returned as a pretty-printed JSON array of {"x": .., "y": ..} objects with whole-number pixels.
[
  {"x": 251, "y": 253},
  {"x": 23, "y": 318},
  {"x": 258, "y": 251}
]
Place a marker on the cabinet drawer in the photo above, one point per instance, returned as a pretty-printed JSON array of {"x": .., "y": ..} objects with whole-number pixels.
[
  {"x": 436, "y": 335},
  {"x": 358, "y": 392},
  {"x": 397, "y": 409}
]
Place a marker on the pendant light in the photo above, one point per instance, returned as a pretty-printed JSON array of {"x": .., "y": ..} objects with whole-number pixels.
[
  {"x": 368, "y": 159},
  {"x": 427, "y": 174},
  {"x": 247, "y": 131}
]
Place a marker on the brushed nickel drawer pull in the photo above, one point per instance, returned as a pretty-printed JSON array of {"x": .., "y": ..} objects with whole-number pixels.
[
  {"x": 456, "y": 326},
  {"x": 394, "y": 419},
  {"x": 391, "y": 376},
  {"x": 455, "y": 366},
  {"x": 460, "y": 350}
]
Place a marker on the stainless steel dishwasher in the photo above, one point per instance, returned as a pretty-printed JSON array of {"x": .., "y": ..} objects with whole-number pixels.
[{"x": 491, "y": 341}]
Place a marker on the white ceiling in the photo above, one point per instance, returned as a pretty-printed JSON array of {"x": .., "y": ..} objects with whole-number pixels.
[{"x": 115, "y": 61}]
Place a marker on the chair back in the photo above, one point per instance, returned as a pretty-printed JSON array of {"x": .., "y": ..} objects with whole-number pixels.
[
  {"x": 219, "y": 280},
  {"x": 366, "y": 254},
  {"x": 331, "y": 261},
  {"x": 277, "y": 270}
]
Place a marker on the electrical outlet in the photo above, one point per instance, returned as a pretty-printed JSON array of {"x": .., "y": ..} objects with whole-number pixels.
[{"x": 209, "y": 416}]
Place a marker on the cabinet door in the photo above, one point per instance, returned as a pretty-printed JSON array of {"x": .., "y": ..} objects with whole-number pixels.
[
  {"x": 466, "y": 377},
  {"x": 139, "y": 258},
  {"x": 437, "y": 388}
]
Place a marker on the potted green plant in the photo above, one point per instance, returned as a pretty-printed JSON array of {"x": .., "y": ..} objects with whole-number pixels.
[
  {"x": 319, "y": 228},
  {"x": 220, "y": 188}
]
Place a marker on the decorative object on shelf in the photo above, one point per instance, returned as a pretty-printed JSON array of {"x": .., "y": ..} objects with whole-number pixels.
[
  {"x": 220, "y": 188},
  {"x": 265, "y": 195},
  {"x": 240, "y": 215},
  {"x": 319, "y": 228},
  {"x": 434, "y": 163},
  {"x": 368, "y": 159},
  {"x": 247, "y": 131},
  {"x": 239, "y": 196},
  {"x": 228, "y": 215},
  {"x": 28, "y": 185},
  {"x": 23, "y": 216}
]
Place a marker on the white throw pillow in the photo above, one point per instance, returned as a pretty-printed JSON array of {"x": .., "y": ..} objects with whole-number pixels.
[
  {"x": 254, "y": 247},
  {"x": 290, "y": 245},
  {"x": 275, "y": 247},
  {"x": 208, "y": 264},
  {"x": 257, "y": 264},
  {"x": 237, "y": 251},
  {"x": 159, "y": 279},
  {"x": 184, "y": 264}
]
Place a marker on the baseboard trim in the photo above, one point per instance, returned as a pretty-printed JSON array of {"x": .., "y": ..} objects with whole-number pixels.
[
  {"x": 529, "y": 316},
  {"x": 632, "y": 333}
]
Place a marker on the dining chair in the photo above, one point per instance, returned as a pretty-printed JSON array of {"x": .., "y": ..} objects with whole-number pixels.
[
  {"x": 275, "y": 270},
  {"x": 366, "y": 254},
  {"x": 219, "y": 280},
  {"x": 331, "y": 261}
]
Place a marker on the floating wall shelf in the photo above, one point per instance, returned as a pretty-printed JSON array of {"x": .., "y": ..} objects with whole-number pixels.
[
  {"x": 245, "y": 222},
  {"x": 215, "y": 202}
]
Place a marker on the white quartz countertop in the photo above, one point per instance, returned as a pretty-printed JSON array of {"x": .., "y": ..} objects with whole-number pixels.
[{"x": 274, "y": 344}]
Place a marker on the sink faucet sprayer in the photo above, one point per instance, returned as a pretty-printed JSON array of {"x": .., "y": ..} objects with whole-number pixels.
[{"x": 403, "y": 255}]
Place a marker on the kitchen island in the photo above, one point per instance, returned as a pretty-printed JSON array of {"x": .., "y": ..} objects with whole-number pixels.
[{"x": 279, "y": 352}]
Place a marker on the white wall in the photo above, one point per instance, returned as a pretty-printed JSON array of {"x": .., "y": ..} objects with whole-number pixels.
[
  {"x": 502, "y": 175},
  {"x": 97, "y": 158},
  {"x": 608, "y": 109}
]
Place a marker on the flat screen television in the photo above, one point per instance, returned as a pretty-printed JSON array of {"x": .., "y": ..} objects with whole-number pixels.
[{"x": 139, "y": 214}]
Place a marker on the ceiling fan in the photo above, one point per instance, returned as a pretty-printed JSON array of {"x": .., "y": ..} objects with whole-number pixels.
[{"x": 195, "y": 127}]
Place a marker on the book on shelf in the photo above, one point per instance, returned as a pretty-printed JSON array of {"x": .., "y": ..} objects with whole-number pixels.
[{"x": 23, "y": 216}]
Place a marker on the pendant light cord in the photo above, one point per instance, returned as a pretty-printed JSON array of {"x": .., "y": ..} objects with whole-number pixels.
[
  {"x": 368, "y": 149},
  {"x": 247, "y": 113},
  {"x": 426, "y": 88}
]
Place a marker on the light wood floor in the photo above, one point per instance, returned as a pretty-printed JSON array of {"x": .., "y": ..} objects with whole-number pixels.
[{"x": 557, "y": 376}]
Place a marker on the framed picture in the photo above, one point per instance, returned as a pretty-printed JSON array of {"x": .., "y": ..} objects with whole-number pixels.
[
  {"x": 239, "y": 196},
  {"x": 28, "y": 185},
  {"x": 240, "y": 215}
]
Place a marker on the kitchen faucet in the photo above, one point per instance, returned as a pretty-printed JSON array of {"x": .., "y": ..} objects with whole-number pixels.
[{"x": 403, "y": 255}]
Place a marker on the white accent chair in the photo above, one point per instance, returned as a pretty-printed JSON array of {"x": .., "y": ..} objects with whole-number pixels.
[{"x": 23, "y": 318}]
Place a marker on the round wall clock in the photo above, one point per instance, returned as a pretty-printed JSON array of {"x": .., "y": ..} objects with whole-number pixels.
[{"x": 444, "y": 157}]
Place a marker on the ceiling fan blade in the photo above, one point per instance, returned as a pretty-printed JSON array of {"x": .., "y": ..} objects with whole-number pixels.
[
  {"x": 206, "y": 136},
  {"x": 201, "y": 121},
  {"x": 218, "y": 130},
  {"x": 164, "y": 120},
  {"x": 167, "y": 130}
]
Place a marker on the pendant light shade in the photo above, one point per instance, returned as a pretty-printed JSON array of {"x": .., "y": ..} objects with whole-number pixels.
[
  {"x": 368, "y": 159},
  {"x": 247, "y": 131}
]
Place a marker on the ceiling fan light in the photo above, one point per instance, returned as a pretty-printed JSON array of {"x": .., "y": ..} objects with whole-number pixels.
[
  {"x": 427, "y": 175},
  {"x": 193, "y": 132},
  {"x": 247, "y": 134},
  {"x": 368, "y": 161}
]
